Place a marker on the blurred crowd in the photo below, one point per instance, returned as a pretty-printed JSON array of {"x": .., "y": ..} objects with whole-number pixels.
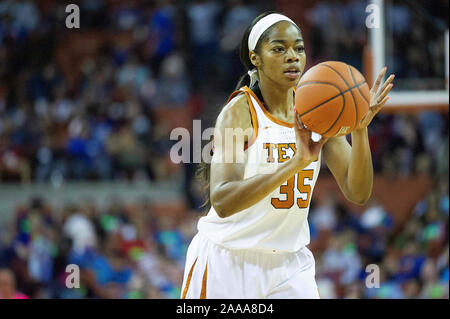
[
  {"x": 138, "y": 249},
  {"x": 409, "y": 23},
  {"x": 414, "y": 43},
  {"x": 110, "y": 120},
  {"x": 124, "y": 250},
  {"x": 337, "y": 32},
  {"x": 368, "y": 256}
]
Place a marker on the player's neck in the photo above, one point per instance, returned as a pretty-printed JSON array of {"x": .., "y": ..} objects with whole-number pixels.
[{"x": 278, "y": 100}]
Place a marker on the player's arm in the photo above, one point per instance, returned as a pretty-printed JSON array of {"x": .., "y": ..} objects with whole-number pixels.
[
  {"x": 351, "y": 166},
  {"x": 230, "y": 193}
]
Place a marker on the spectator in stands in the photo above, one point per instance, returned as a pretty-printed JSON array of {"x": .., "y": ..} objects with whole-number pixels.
[
  {"x": 8, "y": 286},
  {"x": 204, "y": 40},
  {"x": 161, "y": 39},
  {"x": 237, "y": 18}
]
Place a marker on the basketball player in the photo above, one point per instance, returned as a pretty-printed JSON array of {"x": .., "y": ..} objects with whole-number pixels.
[{"x": 252, "y": 243}]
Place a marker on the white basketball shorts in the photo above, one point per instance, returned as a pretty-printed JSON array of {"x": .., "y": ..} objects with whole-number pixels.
[{"x": 216, "y": 272}]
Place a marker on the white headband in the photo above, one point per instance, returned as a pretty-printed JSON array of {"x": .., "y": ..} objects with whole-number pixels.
[
  {"x": 256, "y": 32},
  {"x": 262, "y": 25}
]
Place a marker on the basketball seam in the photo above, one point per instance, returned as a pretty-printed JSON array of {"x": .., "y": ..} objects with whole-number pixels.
[
  {"x": 359, "y": 91},
  {"x": 343, "y": 79},
  {"x": 354, "y": 81},
  {"x": 332, "y": 98},
  {"x": 319, "y": 82},
  {"x": 339, "y": 115}
]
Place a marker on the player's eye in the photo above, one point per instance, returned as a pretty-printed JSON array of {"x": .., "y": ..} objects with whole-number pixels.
[
  {"x": 278, "y": 49},
  {"x": 300, "y": 49}
]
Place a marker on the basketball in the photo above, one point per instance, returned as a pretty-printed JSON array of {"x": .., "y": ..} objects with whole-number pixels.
[{"x": 332, "y": 98}]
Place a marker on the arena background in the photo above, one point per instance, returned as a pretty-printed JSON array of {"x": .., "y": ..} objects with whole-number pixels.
[{"x": 85, "y": 119}]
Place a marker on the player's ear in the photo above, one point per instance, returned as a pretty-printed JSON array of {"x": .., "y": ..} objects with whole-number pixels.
[{"x": 254, "y": 58}]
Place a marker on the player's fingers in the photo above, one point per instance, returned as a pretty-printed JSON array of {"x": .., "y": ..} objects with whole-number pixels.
[
  {"x": 378, "y": 81},
  {"x": 380, "y": 105},
  {"x": 298, "y": 130},
  {"x": 384, "y": 93},
  {"x": 300, "y": 124},
  {"x": 363, "y": 122},
  {"x": 367, "y": 118},
  {"x": 387, "y": 83},
  {"x": 297, "y": 124},
  {"x": 305, "y": 131}
]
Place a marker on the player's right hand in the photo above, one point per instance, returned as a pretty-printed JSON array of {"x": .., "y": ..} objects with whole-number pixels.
[{"x": 307, "y": 150}]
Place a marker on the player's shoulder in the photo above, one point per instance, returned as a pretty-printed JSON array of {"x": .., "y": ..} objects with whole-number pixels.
[
  {"x": 235, "y": 113},
  {"x": 237, "y": 104}
]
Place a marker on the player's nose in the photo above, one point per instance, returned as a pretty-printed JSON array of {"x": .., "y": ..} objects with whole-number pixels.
[{"x": 292, "y": 55}]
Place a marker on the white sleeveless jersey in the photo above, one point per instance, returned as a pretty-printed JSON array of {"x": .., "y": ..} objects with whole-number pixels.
[{"x": 279, "y": 221}]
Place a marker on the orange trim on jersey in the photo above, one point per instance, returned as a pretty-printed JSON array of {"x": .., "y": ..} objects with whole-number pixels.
[
  {"x": 188, "y": 281},
  {"x": 252, "y": 113},
  {"x": 266, "y": 112},
  {"x": 205, "y": 274}
]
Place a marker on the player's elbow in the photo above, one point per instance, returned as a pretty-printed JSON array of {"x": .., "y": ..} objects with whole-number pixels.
[
  {"x": 360, "y": 200},
  {"x": 221, "y": 211},
  {"x": 220, "y": 200},
  {"x": 358, "y": 196},
  {"x": 218, "y": 204}
]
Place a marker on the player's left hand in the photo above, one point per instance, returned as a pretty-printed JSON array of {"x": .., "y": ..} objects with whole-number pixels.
[{"x": 378, "y": 97}]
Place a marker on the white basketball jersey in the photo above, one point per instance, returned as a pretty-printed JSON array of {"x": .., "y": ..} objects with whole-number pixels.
[{"x": 279, "y": 221}]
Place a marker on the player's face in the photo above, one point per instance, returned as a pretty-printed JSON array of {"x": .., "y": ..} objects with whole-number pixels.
[{"x": 283, "y": 55}]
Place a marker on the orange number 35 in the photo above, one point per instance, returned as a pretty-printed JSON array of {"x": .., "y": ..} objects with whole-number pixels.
[{"x": 288, "y": 190}]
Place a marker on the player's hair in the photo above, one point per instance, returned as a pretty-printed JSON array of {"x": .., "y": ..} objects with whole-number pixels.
[{"x": 203, "y": 171}]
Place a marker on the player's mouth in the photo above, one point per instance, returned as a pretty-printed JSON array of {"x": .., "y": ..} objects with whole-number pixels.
[{"x": 293, "y": 73}]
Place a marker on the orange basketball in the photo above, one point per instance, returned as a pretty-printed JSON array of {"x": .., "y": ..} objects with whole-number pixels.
[{"x": 332, "y": 98}]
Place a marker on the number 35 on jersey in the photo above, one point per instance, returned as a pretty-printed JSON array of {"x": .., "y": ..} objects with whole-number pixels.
[{"x": 300, "y": 181}]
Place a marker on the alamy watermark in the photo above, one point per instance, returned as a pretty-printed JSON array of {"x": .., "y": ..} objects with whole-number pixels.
[
  {"x": 373, "y": 19},
  {"x": 228, "y": 146},
  {"x": 73, "y": 18},
  {"x": 73, "y": 277},
  {"x": 373, "y": 277}
]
